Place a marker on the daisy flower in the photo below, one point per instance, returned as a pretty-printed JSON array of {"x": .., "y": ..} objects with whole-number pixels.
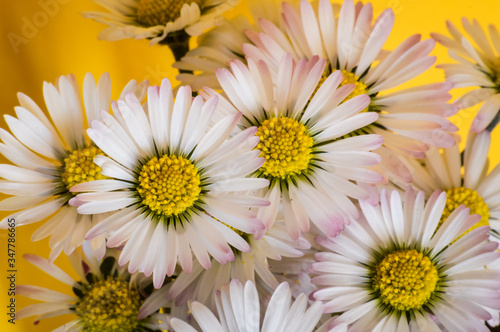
[
  {"x": 201, "y": 284},
  {"x": 477, "y": 188},
  {"x": 477, "y": 66},
  {"x": 397, "y": 269},
  {"x": 166, "y": 21},
  {"x": 178, "y": 183},
  {"x": 105, "y": 298},
  {"x": 50, "y": 156},
  {"x": 309, "y": 161},
  {"x": 238, "y": 309},
  {"x": 411, "y": 119}
]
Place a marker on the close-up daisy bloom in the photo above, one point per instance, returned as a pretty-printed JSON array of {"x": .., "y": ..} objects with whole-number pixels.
[
  {"x": 398, "y": 268},
  {"x": 49, "y": 156},
  {"x": 475, "y": 186},
  {"x": 238, "y": 309},
  {"x": 104, "y": 298},
  {"x": 169, "y": 21},
  {"x": 177, "y": 184},
  {"x": 477, "y": 65},
  {"x": 411, "y": 119},
  {"x": 311, "y": 165}
]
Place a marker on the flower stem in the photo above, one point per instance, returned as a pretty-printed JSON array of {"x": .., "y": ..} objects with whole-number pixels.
[{"x": 178, "y": 43}]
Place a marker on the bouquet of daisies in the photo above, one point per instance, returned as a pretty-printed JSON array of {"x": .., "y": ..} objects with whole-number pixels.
[{"x": 294, "y": 181}]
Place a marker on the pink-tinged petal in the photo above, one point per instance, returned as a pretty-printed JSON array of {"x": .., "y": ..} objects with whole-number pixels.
[
  {"x": 184, "y": 251},
  {"x": 277, "y": 308},
  {"x": 43, "y": 294},
  {"x": 381, "y": 30},
  {"x": 106, "y": 206},
  {"x": 311, "y": 28},
  {"x": 208, "y": 233},
  {"x": 39, "y": 212},
  {"x": 345, "y": 31},
  {"x": 160, "y": 267},
  {"x": 41, "y": 308},
  {"x": 154, "y": 249},
  {"x": 199, "y": 250},
  {"x": 204, "y": 317},
  {"x": 171, "y": 253},
  {"x": 50, "y": 268},
  {"x": 101, "y": 185},
  {"x": 486, "y": 113},
  {"x": 131, "y": 252},
  {"x": 216, "y": 136},
  {"x": 283, "y": 82},
  {"x": 293, "y": 226},
  {"x": 268, "y": 214},
  {"x": 233, "y": 238}
]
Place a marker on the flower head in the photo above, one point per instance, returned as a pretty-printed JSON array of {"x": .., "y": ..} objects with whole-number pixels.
[
  {"x": 158, "y": 19},
  {"x": 49, "y": 156},
  {"x": 106, "y": 298},
  {"x": 477, "y": 66},
  {"x": 468, "y": 182},
  {"x": 398, "y": 268},
  {"x": 178, "y": 185},
  {"x": 310, "y": 160}
]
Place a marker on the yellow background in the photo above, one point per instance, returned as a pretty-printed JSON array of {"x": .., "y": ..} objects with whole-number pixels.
[{"x": 66, "y": 43}]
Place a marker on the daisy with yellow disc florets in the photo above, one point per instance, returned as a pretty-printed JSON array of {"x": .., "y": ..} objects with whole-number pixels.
[
  {"x": 51, "y": 156},
  {"x": 399, "y": 268},
  {"x": 310, "y": 161},
  {"x": 178, "y": 183},
  {"x": 468, "y": 182},
  {"x": 105, "y": 296}
]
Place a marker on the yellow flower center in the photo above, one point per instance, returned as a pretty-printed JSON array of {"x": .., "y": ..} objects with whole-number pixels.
[
  {"x": 405, "y": 280},
  {"x": 169, "y": 185},
  {"x": 109, "y": 305},
  {"x": 159, "y": 12},
  {"x": 79, "y": 167},
  {"x": 286, "y": 145},
  {"x": 470, "y": 198},
  {"x": 350, "y": 78}
]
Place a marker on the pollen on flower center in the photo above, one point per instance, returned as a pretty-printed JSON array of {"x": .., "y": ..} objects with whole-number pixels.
[
  {"x": 79, "y": 167},
  {"x": 470, "y": 198},
  {"x": 109, "y": 305},
  {"x": 159, "y": 12},
  {"x": 405, "y": 280},
  {"x": 286, "y": 145},
  {"x": 350, "y": 78},
  {"x": 169, "y": 185}
]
